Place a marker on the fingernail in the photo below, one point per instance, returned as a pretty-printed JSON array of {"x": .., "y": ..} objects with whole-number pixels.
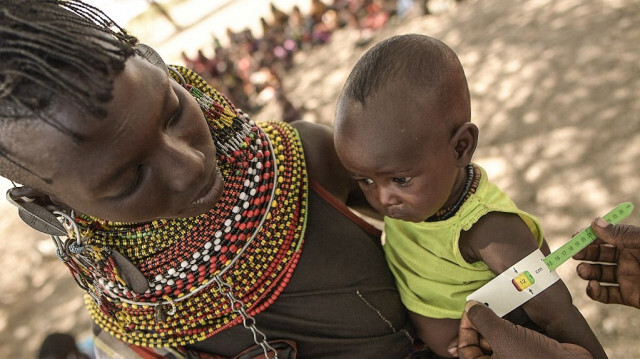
[
  {"x": 453, "y": 351},
  {"x": 581, "y": 269},
  {"x": 470, "y": 304},
  {"x": 601, "y": 222}
]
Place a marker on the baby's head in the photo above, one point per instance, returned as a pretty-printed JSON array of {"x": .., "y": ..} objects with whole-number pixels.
[
  {"x": 403, "y": 129},
  {"x": 93, "y": 125}
]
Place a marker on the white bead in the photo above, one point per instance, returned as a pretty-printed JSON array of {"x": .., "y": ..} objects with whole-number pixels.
[
  {"x": 206, "y": 258},
  {"x": 237, "y": 217},
  {"x": 235, "y": 209},
  {"x": 252, "y": 192},
  {"x": 243, "y": 196},
  {"x": 258, "y": 165},
  {"x": 228, "y": 222},
  {"x": 245, "y": 205},
  {"x": 218, "y": 234},
  {"x": 159, "y": 277},
  {"x": 217, "y": 248},
  {"x": 183, "y": 275},
  {"x": 196, "y": 255},
  {"x": 158, "y": 287},
  {"x": 256, "y": 178},
  {"x": 247, "y": 183},
  {"x": 205, "y": 252},
  {"x": 172, "y": 271},
  {"x": 170, "y": 282},
  {"x": 207, "y": 245},
  {"x": 194, "y": 268},
  {"x": 217, "y": 241},
  {"x": 227, "y": 229},
  {"x": 184, "y": 264}
]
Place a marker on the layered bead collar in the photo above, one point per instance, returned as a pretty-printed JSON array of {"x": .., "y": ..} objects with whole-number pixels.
[{"x": 176, "y": 282}]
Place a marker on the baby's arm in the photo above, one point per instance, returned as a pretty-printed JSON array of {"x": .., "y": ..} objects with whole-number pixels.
[{"x": 501, "y": 240}]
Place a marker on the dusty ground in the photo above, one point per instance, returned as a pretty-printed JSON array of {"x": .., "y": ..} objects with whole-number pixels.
[{"x": 555, "y": 88}]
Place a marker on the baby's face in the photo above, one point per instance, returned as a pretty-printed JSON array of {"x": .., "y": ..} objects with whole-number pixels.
[
  {"x": 400, "y": 154},
  {"x": 152, "y": 156}
]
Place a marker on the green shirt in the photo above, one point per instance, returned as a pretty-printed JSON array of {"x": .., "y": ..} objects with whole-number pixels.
[{"x": 432, "y": 276}]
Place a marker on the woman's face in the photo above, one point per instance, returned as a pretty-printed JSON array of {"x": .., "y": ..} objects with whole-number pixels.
[{"x": 151, "y": 157}]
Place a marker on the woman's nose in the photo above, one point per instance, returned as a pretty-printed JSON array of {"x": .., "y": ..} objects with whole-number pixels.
[{"x": 184, "y": 166}]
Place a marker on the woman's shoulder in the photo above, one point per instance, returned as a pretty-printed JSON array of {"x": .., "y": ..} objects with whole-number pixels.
[{"x": 323, "y": 165}]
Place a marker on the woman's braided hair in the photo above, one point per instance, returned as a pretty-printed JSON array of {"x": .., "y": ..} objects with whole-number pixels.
[{"x": 56, "y": 49}]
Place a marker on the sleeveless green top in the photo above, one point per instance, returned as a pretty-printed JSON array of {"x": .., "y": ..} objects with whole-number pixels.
[{"x": 432, "y": 276}]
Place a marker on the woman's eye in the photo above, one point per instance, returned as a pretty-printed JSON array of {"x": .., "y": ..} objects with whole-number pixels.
[
  {"x": 402, "y": 180},
  {"x": 366, "y": 181},
  {"x": 135, "y": 184},
  {"x": 175, "y": 116}
]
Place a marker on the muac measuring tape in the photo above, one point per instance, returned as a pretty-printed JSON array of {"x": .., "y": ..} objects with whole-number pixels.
[{"x": 535, "y": 272}]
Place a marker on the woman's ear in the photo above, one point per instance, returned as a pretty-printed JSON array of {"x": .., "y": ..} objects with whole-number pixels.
[
  {"x": 151, "y": 55},
  {"x": 28, "y": 194},
  {"x": 464, "y": 142},
  {"x": 37, "y": 210}
]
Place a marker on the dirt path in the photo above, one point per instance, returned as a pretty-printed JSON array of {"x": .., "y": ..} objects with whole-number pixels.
[{"x": 555, "y": 88}]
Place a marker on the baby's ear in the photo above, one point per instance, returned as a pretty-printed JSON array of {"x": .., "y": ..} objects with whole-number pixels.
[{"x": 464, "y": 142}]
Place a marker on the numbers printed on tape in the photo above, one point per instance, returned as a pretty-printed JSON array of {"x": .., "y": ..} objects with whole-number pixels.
[
  {"x": 584, "y": 238},
  {"x": 529, "y": 277}
]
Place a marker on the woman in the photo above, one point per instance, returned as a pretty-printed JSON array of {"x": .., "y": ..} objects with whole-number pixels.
[{"x": 193, "y": 230}]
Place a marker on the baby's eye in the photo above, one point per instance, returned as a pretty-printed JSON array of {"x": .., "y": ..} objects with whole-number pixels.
[
  {"x": 402, "y": 180},
  {"x": 366, "y": 181}
]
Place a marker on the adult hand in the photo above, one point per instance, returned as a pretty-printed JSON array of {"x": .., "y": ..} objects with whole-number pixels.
[
  {"x": 617, "y": 253},
  {"x": 504, "y": 340}
]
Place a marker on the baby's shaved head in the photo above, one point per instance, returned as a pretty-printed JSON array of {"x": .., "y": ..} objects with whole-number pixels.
[{"x": 422, "y": 64}]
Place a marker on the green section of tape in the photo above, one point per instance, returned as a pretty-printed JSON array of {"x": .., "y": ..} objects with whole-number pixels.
[{"x": 582, "y": 239}]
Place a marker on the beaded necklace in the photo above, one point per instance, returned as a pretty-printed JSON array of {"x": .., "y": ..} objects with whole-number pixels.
[
  {"x": 176, "y": 282},
  {"x": 470, "y": 186}
]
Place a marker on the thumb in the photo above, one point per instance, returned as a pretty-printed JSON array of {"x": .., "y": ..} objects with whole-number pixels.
[
  {"x": 508, "y": 340},
  {"x": 487, "y": 323},
  {"x": 620, "y": 235}
]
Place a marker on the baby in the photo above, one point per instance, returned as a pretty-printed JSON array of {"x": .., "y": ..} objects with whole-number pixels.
[
  {"x": 403, "y": 131},
  {"x": 194, "y": 231}
]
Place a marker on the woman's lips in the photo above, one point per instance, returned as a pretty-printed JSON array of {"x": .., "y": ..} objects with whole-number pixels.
[{"x": 214, "y": 192}]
